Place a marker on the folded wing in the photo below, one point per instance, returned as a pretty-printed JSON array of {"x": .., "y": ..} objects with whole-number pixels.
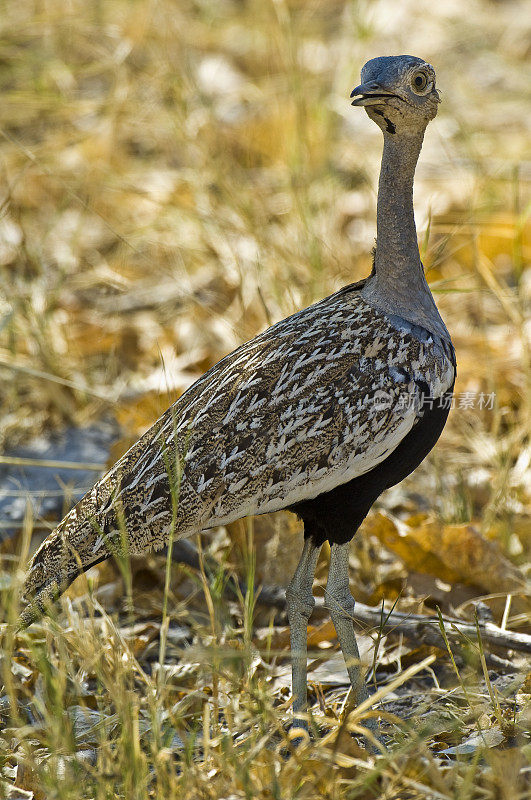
[{"x": 314, "y": 401}]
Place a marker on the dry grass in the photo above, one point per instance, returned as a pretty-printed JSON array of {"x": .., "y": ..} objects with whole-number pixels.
[{"x": 175, "y": 178}]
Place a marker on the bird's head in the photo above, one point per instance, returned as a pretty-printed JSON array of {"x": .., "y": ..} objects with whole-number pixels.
[{"x": 398, "y": 93}]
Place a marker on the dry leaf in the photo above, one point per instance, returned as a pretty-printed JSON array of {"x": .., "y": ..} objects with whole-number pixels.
[
  {"x": 453, "y": 553},
  {"x": 277, "y": 539},
  {"x": 489, "y": 738},
  {"x": 14, "y": 793}
]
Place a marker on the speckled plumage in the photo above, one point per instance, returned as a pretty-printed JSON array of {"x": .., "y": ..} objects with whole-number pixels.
[
  {"x": 318, "y": 414},
  {"x": 309, "y": 404}
]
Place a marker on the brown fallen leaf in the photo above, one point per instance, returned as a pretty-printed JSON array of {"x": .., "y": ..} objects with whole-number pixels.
[
  {"x": 277, "y": 540},
  {"x": 14, "y": 792},
  {"x": 319, "y": 634},
  {"x": 277, "y": 639},
  {"x": 453, "y": 553},
  {"x": 273, "y": 639}
]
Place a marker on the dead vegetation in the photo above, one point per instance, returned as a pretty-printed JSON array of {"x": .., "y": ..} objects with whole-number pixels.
[{"x": 175, "y": 177}]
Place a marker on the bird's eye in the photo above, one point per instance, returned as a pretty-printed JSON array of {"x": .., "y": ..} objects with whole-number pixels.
[{"x": 419, "y": 81}]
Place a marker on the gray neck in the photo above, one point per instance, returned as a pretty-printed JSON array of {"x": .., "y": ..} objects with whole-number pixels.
[{"x": 397, "y": 285}]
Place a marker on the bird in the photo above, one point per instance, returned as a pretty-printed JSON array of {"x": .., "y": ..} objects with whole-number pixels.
[{"x": 318, "y": 414}]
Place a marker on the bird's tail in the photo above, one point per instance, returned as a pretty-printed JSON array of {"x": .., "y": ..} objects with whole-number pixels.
[
  {"x": 86, "y": 536},
  {"x": 117, "y": 517}
]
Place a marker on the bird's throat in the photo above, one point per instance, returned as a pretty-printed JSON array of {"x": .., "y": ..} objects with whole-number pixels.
[
  {"x": 398, "y": 285},
  {"x": 397, "y": 252}
]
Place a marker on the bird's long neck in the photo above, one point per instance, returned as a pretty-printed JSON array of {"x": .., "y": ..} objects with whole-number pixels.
[
  {"x": 397, "y": 257},
  {"x": 398, "y": 285}
]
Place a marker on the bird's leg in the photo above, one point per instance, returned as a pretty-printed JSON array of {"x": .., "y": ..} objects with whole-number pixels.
[
  {"x": 340, "y": 603},
  {"x": 300, "y": 603}
]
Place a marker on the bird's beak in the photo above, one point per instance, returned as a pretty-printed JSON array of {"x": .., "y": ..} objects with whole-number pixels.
[{"x": 371, "y": 94}]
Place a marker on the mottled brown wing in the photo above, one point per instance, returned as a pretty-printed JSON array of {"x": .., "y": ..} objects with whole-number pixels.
[
  {"x": 312, "y": 402},
  {"x": 317, "y": 399}
]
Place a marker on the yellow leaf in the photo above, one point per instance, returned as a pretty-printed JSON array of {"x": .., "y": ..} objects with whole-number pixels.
[{"x": 453, "y": 553}]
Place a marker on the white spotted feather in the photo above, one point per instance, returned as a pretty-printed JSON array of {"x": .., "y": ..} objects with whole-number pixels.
[{"x": 318, "y": 399}]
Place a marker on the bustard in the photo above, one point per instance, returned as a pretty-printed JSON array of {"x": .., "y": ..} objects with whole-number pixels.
[{"x": 318, "y": 414}]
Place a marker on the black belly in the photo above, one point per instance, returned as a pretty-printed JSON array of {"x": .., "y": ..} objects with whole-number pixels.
[{"x": 337, "y": 515}]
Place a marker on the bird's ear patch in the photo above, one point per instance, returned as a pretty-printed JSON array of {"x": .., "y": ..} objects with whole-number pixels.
[{"x": 391, "y": 127}]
